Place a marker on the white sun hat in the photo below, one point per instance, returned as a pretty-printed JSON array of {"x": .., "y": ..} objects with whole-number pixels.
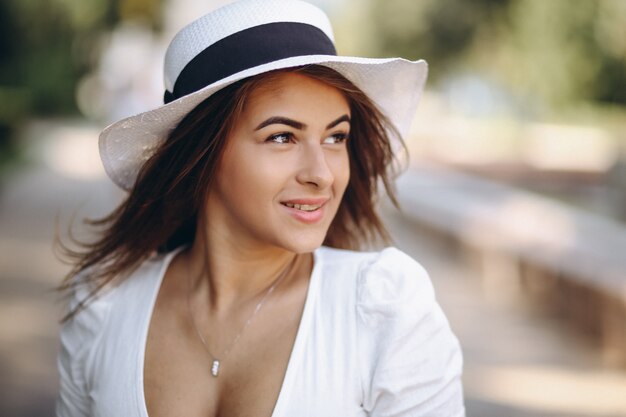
[{"x": 240, "y": 40}]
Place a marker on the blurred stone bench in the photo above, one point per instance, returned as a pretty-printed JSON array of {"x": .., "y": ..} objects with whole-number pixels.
[{"x": 568, "y": 260}]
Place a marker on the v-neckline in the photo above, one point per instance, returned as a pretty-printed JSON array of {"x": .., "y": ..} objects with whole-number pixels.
[{"x": 301, "y": 334}]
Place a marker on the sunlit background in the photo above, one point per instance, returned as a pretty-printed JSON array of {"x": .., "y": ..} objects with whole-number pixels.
[{"x": 515, "y": 198}]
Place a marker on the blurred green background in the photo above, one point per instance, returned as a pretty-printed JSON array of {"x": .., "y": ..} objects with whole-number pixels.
[
  {"x": 551, "y": 54},
  {"x": 46, "y": 47}
]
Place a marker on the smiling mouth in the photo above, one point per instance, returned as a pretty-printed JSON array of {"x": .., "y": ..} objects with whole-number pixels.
[{"x": 303, "y": 207}]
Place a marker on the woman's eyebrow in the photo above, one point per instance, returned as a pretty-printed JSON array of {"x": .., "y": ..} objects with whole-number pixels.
[
  {"x": 344, "y": 118},
  {"x": 281, "y": 121},
  {"x": 298, "y": 125}
]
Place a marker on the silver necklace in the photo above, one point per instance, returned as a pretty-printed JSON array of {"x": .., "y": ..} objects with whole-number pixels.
[{"x": 215, "y": 366}]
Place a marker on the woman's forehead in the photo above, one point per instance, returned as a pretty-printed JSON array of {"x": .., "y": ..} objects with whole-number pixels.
[{"x": 286, "y": 89}]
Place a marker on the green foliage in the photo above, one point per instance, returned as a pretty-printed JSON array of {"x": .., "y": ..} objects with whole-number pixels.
[
  {"x": 46, "y": 46},
  {"x": 146, "y": 10},
  {"x": 553, "y": 51},
  {"x": 438, "y": 30}
]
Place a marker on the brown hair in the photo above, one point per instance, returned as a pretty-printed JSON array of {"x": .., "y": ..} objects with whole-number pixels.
[{"x": 160, "y": 212}]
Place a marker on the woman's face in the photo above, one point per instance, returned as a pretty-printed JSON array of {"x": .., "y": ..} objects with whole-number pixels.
[{"x": 285, "y": 166}]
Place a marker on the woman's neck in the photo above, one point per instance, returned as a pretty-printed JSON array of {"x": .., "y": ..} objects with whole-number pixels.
[{"x": 231, "y": 274}]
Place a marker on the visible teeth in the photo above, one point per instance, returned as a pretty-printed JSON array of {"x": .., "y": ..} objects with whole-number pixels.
[{"x": 304, "y": 207}]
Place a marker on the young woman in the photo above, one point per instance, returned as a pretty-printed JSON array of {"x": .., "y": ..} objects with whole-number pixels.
[{"x": 227, "y": 283}]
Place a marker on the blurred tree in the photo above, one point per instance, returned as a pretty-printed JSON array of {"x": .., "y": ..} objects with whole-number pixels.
[
  {"x": 46, "y": 46},
  {"x": 553, "y": 50},
  {"x": 437, "y": 30},
  {"x": 610, "y": 36},
  {"x": 146, "y": 10},
  {"x": 556, "y": 51}
]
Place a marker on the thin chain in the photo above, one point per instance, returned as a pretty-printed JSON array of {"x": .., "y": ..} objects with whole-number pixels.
[{"x": 246, "y": 324}]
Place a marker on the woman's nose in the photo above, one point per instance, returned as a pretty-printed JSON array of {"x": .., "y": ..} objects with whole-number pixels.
[{"x": 314, "y": 168}]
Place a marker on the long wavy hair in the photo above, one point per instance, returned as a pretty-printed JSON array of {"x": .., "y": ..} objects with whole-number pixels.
[{"x": 160, "y": 212}]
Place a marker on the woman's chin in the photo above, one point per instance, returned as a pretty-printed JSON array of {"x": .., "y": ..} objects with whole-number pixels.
[{"x": 304, "y": 244}]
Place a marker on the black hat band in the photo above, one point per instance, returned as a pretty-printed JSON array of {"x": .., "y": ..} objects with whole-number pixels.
[{"x": 249, "y": 48}]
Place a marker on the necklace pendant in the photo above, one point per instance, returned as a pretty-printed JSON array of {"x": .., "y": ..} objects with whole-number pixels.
[{"x": 215, "y": 369}]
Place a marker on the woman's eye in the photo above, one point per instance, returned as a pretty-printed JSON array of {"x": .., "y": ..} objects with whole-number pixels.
[
  {"x": 336, "y": 138},
  {"x": 280, "y": 138}
]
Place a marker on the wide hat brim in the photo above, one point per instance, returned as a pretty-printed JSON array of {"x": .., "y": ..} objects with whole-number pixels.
[{"x": 395, "y": 85}]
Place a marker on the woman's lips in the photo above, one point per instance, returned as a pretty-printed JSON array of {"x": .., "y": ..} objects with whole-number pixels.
[{"x": 305, "y": 210}]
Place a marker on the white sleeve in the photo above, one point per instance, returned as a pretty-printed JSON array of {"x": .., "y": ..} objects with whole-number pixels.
[
  {"x": 411, "y": 361},
  {"x": 77, "y": 338}
]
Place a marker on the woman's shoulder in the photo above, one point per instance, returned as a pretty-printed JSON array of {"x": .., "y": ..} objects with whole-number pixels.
[
  {"x": 98, "y": 313},
  {"x": 92, "y": 303},
  {"x": 409, "y": 358},
  {"x": 389, "y": 258},
  {"x": 393, "y": 285},
  {"x": 387, "y": 281}
]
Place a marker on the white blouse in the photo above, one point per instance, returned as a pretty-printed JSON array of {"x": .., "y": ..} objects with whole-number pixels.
[{"x": 372, "y": 341}]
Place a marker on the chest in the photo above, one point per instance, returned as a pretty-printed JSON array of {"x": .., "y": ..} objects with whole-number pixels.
[
  {"x": 308, "y": 369},
  {"x": 177, "y": 369}
]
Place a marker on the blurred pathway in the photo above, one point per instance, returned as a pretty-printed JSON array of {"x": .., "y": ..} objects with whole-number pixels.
[
  {"x": 62, "y": 176},
  {"x": 518, "y": 363}
]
